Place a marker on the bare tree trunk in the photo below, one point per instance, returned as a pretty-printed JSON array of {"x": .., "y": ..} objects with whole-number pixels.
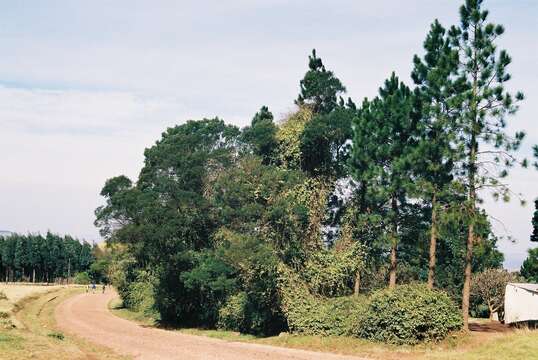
[
  {"x": 433, "y": 245},
  {"x": 393, "y": 265},
  {"x": 473, "y": 150},
  {"x": 33, "y": 275},
  {"x": 357, "y": 285},
  {"x": 467, "y": 280},
  {"x": 362, "y": 197},
  {"x": 394, "y": 245},
  {"x": 470, "y": 234}
]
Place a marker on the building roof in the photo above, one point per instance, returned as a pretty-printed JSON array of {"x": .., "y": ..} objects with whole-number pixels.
[{"x": 525, "y": 286}]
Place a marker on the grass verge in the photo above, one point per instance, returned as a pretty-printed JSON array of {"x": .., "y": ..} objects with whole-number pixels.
[
  {"x": 520, "y": 344},
  {"x": 38, "y": 337}
]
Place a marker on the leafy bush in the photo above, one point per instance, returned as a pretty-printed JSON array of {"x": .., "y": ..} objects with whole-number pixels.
[
  {"x": 313, "y": 315},
  {"x": 409, "y": 314},
  {"x": 210, "y": 282},
  {"x": 255, "y": 264},
  {"x": 140, "y": 295},
  {"x": 233, "y": 315},
  {"x": 82, "y": 278},
  {"x": 136, "y": 287},
  {"x": 330, "y": 272},
  {"x": 123, "y": 272}
]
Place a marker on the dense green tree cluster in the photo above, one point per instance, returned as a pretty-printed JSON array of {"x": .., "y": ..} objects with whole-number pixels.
[
  {"x": 348, "y": 197},
  {"x": 39, "y": 258}
]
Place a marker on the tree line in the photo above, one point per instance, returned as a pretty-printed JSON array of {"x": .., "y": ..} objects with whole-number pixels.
[
  {"x": 39, "y": 258},
  {"x": 352, "y": 197}
]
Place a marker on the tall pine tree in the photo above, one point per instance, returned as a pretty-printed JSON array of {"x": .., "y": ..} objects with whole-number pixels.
[
  {"x": 486, "y": 149},
  {"x": 433, "y": 75},
  {"x": 261, "y": 135},
  {"x": 320, "y": 89},
  {"x": 383, "y": 143}
]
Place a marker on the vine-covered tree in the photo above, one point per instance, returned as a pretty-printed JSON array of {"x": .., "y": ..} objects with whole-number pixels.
[{"x": 343, "y": 198}]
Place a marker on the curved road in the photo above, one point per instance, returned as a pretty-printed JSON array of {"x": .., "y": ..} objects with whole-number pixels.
[{"x": 87, "y": 316}]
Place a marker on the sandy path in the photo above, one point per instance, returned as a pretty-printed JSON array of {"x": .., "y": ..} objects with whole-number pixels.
[{"x": 87, "y": 315}]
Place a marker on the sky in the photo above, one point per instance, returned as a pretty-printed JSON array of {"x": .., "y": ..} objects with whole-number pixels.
[{"x": 85, "y": 87}]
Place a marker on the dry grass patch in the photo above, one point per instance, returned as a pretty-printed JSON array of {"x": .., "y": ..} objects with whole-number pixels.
[
  {"x": 38, "y": 337},
  {"x": 11, "y": 295}
]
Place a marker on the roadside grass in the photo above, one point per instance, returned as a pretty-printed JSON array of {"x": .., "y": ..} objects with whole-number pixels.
[
  {"x": 11, "y": 294},
  {"x": 519, "y": 344},
  {"x": 117, "y": 308},
  {"x": 221, "y": 334},
  {"x": 37, "y": 336},
  {"x": 16, "y": 292}
]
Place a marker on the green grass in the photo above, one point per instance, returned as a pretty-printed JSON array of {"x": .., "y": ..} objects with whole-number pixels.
[
  {"x": 220, "y": 334},
  {"x": 520, "y": 344},
  {"x": 117, "y": 308}
]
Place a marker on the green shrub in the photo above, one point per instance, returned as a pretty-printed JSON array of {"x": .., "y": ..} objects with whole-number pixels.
[
  {"x": 314, "y": 315},
  {"x": 330, "y": 272},
  {"x": 233, "y": 315},
  {"x": 327, "y": 317},
  {"x": 409, "y": 314},
  {"x": 56, "y": 335},
  {"x": 256, "y": 267},
  {"x": 123, "y": 272},
  {"x": 82, "y": 278},
  {"x": 140, "y": 295}
]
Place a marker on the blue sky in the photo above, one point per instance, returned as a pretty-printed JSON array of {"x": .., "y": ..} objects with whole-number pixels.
[{"x": 86, "y": 86}]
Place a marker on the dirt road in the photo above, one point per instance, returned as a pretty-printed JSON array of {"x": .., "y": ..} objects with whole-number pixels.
[{"x": 87, "y": 315}]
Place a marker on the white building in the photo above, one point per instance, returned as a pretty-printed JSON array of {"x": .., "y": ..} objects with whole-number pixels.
[{"x": 520, "y": 303}]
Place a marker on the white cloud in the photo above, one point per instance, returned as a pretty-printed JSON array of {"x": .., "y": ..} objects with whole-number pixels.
[
  {"x": 81, "y": 112},
  {"x": 87, "y": 86},
  {"x": 59, "y": 146}
]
